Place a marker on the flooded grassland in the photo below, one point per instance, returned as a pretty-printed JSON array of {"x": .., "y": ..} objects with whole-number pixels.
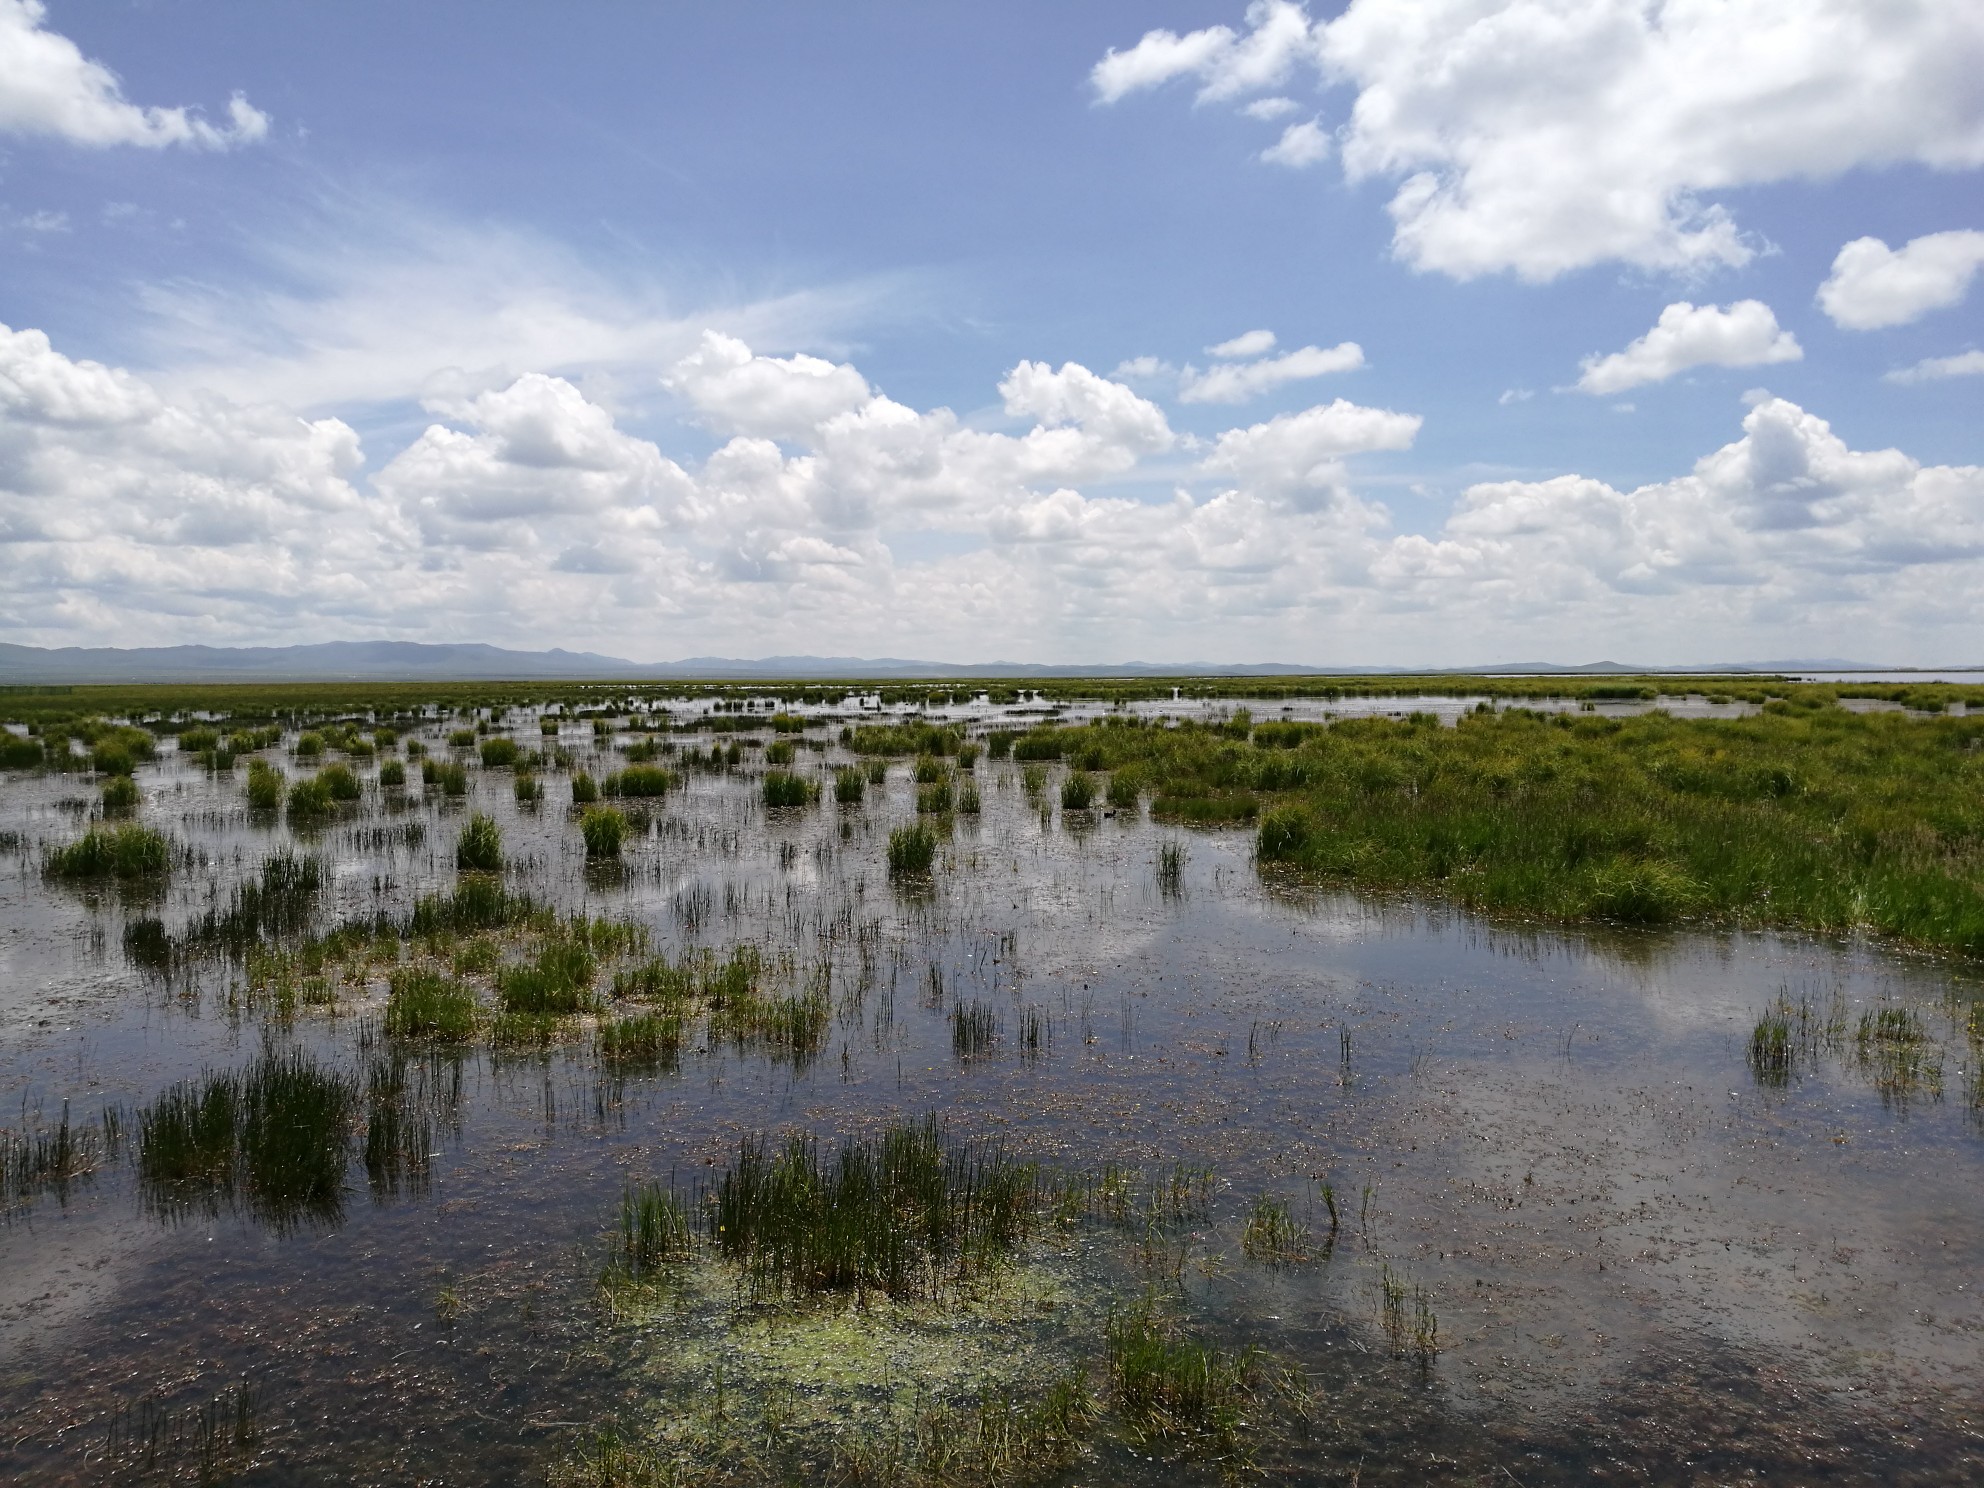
[{"x": 790, "y": 1111}]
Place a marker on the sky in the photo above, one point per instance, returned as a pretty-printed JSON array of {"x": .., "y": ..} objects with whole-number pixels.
[{"x": 1402, "y": 332}]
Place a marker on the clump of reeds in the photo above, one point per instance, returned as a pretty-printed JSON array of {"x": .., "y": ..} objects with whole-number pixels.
[
  {"x": 309, "y": 746},
  {"x": 310, "y": 799},
  {"x": 930, "y": 770},
  {"x": 54, "y": 1158},
  {"x": 450, "y": 775},
  {"x": 645, "y": 1041},
  {"x": 1033, "y": 780},
  {"x": 1171, "y": 868},
  {"x": 655, "y": 1233},
  {"x": 912, "y": 849},
  {"x": 392, "y": 775},
  {"x": 479, "y": 849},
  {"x": 638, "y": 781},
  {"x": 603, "y": 830},
  {"x": 782, "y": 788},
  {"x": 1077, "y": 791},
  {"x": 265, "y": 785},
  {"x": 1271, "y": 1232},
  {"x": 462, "y": 738},
  {"x": 1772, "y": 1052},
  {"x": 560, "y": 981},
  {"x": 1411, "y": 1327},
  {"x": 779, "y": 752},
  {"x": 1167, "y": 1384},
  {"x": 878, "y": 771},
  {"x": 128, "y": 851},
  {"x": 969, "y": 803},
  {"x": 934, "y": 800},
  {"x": 974, "y": 1029},
  {"x": 584, "y": 789},
  {"x": 276, "y": 1136},
  {"x": 529, "y": 790},
  {"x": 425, "y": 1004},
  {"x": 1897, "y": 1053},
  {"x": 896, "y": 1212},
  {"x": 850, "y": 785},
  {"x": 340, "y": 781},
  {"x": 120, "y": 795},
  {"x": 478, "y": 903}
]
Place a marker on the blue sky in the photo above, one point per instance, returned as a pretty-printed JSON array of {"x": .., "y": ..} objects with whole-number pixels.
[{"x": 887, "y": 329}]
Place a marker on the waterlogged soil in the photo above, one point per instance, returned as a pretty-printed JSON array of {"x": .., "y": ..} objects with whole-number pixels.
[{"x": 1633, "y": 1260}]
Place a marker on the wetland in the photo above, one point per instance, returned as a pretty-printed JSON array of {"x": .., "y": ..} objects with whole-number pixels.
[{"x": 1083, "y": 1083}]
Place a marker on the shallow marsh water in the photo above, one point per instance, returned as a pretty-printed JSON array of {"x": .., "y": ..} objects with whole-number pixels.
[{"x": 1645, "y": 1263}]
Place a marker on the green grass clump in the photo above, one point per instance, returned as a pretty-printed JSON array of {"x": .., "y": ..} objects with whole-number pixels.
[
  {"x": 585, "y": 790},
  {"x": 642, "y": 781},
  {"x": 934, "y": 800},
  {"x": 1125, "y": 790},
  {"x": 1271, "y": 1233},
  {"x": 462, "y": 738},
  {"x": 529, "y": 790},
  {"x": 644, "y": 1041},
  {"x": 392, "y": 775},
  {"x": 425, "y": 1004},
  {"x": 342, "y": 784},
  {"x": 499, "y": 754},
  {"x": 479, "y": 849},
  {"x": 559, "y": 982},
  {"x": 655, "y": 1233},
  {"x": 779, "y": 752},
  {"x": 850, "y": 785},
  {"x": 969, "y": 803},
  {"x": 478, "y": 903},
  {"x": 912, "y": 849},
  {"x": 877, "y": 771},
  {"x": 898, "y": 1212},
  {"x": 309, "y": 746},
  {"x": 265, "y": 785},
  {"x": 128, "y": 851},
  {"x": 310, "y": 800},
  {"x": 1077, "y": 791},
  {"x": 1171, "y": 868},
  {"x": 782, "y": 788},
  {"x": 930, "y": 770},
  {"x": 54, "y": 1158},
  {"x": 120, "y": 794},
  {"x": 1166, "y": 1384},
  {"x": 276, "y": 1137},
  {"x": 603, "y": 829}
]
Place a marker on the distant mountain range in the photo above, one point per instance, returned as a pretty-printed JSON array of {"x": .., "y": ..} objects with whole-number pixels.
[{"x": 417, "y": 661}]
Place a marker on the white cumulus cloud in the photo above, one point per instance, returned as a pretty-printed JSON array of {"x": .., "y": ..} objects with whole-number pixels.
[
  {"x": 1300, "y": 145},
  {"x": 1246, "y": 344},
  {"x": 48, "y": 87},
  {"x": 1543, "y": 136},
  {"x": 1873, "y": 285},
  {"x": 1236, "y": 382},
  {"x": 1227, "y": 64},
  {"x": 1935, "y": 369},
  {"x": 1744, "y": 335}
]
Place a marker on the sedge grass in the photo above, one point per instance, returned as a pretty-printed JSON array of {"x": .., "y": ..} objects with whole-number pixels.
[
  {"x": 479, "y": 848},
  {"x": 127, "y": 851}
]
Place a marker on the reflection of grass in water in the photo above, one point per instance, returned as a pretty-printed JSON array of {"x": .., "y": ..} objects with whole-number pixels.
[
  {"x": 974, "y": 1029},
  {"x": 213, "y": 1438}
]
